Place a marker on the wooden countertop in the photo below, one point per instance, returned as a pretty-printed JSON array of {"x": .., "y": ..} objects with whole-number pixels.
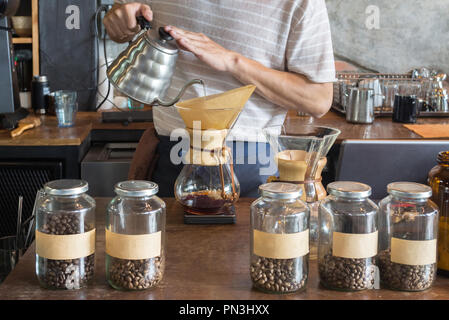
[
  {"x": 203, "y": 262},
  {"x": 383, "y": 128},
  {"x": 50, "y": 135}
]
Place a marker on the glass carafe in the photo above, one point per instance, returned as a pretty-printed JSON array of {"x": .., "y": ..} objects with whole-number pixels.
[{"x": 210, "y": 187}]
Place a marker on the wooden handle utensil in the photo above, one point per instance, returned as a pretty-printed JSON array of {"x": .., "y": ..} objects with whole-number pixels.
[{"x": 26, "y": 124}]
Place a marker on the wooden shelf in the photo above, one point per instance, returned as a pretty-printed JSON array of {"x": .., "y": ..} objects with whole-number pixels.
[
  {"x": 22, "y": 40},
  {"x": 34, "y": 39}
]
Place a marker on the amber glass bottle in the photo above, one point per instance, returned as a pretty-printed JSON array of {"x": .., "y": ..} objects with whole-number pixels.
[{"x": 439, "y": 181}]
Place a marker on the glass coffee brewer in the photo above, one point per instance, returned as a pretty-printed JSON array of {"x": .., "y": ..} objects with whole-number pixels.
[
  {"x": 300, "y": 154},
  {"x": 207, "y": 187}
]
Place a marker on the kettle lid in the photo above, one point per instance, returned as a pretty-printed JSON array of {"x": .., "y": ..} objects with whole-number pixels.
[{"x": 162, "y": 41}]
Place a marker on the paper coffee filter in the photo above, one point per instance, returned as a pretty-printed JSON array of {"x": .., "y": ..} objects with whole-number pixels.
[{"x": 217, "y": 111}]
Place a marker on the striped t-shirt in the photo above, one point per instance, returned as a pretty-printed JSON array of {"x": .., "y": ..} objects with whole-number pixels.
[{"x": 285, "y": 35}]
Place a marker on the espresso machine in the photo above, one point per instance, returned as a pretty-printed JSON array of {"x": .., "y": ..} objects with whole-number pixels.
[{"x": 10, "y": 111}]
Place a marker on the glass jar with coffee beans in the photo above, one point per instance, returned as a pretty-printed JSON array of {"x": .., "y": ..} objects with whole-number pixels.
[
  {"x": 135, "y": 237},
  {"x": 279, "y": 260},
  {"x": 65, "y": 235},
  {"x": 408, "y": 233},
  {"x": 348, "y": 237}
]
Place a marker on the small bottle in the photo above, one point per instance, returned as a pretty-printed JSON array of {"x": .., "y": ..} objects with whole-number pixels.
[
  {"x": 408, "y": 233},
  {"x": 348, "y": 237},
  {"x": 65, "y": 235},
  {"x": 135, "y": 237},
  {"x": 279, "y": 260},
  {"x": 439, "y": 182}
]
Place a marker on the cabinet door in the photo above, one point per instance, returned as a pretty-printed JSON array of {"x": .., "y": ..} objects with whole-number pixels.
[
  {"x": 21, "y": 178},
  {"x": 68, "y": 48}
]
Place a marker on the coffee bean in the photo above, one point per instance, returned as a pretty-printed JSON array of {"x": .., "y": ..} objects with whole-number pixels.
[
  {"x": 346, "y": 273},
  {"x": 279, "y": 275},
  {"x": 71, "y": 273},
  {"x": 135, "y": 274},
  {"x": 405, "y": 277}
]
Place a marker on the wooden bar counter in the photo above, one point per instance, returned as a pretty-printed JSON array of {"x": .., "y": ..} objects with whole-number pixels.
[
  {"x": 203, "y": 263},
  {"x": 50, "y": 135}
]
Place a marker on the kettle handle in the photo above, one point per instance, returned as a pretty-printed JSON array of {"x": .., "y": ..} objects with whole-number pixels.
[
  {"x": 180, "y": 94},
  {"x": 143, "y": 23}
]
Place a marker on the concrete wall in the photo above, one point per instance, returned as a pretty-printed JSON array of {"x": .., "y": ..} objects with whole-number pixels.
[{"x": 412, "y": 33}]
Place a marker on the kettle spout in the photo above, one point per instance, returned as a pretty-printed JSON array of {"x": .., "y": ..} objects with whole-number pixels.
[{"x": 180, "y": 94}]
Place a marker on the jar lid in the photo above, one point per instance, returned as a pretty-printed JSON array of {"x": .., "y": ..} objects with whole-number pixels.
[
  {"x": 66, "y": 187},
  {"x": 409, "y": 190},
  {"x": 349, "y": 189},
  {"x": 136, "y": 188},
  {"x": 280, "y": 190}
]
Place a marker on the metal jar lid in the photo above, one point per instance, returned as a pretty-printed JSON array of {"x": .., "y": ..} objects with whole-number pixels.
[
  {"x": 40, "y": 78},
  {"x": 410, "y": 190},
  {"x": 136, "y": 189},
  {"x": 349, "y": 189},
  {"x": 280, "y": 190},
  {"x": 66, "y": 187}
]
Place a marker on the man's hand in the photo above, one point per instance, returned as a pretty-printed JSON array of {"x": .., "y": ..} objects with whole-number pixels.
[
  {"x": 120, "y": 22},
  {"x": 208, "y": 51}
]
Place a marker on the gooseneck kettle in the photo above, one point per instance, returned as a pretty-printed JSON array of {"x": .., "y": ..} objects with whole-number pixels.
[{"x": 144, "y": 70}]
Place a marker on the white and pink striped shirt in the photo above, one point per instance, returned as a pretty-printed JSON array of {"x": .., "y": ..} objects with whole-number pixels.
[{"x": 285, "y": 35}]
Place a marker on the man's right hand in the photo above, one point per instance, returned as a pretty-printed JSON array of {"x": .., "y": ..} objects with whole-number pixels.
[{"x": 121, "y": 23}]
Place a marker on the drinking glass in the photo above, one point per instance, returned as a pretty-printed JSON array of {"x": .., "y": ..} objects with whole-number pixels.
[
  {"x": 66, "y": 108},
  {"x": 389, "y": 90}
]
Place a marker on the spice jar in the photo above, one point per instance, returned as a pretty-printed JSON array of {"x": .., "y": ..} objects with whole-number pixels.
[
  {"x": 135, "y": 236},
  {"x": 408, "y": 230},
  {"x": 439, "y": 182},
  {"x": 279, "y": 239},
  {"x": 65, "y": 235},
  {"x": 348, "y": 237}
]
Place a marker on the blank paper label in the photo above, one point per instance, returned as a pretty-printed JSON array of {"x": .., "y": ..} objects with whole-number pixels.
[
  {"x": 133, "y": 247},
  {"x": 354, "y": 246},
  {"x": 281, "y": 246},
  {"x": 412, "y": 252},
  {"x": 65, "y": 247}
]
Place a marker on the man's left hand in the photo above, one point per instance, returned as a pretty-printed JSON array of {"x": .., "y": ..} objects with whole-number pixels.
[{"x": 203, "y": 48}]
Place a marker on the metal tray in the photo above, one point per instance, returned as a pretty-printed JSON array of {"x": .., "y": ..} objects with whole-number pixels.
[{"x": 423, "y": 114}]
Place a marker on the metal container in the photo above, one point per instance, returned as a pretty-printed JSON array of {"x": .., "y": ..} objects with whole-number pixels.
[
  {"x": 144, "y": 70},
  {"x": 360, "y": 108},
  {"x": 345, "y": 86},
  {"x": 40, "y": 88}
]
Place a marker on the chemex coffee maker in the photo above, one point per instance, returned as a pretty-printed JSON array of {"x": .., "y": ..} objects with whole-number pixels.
[
  {"x": 300, "y": 154},
  {"x": 207, "y": 187}
]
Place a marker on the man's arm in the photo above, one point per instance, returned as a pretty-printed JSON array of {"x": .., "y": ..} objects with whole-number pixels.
[{"x": 286, "y": 89}]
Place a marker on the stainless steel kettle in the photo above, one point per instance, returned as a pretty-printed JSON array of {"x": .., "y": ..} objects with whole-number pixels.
[{"x": 144, "y": 70}]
